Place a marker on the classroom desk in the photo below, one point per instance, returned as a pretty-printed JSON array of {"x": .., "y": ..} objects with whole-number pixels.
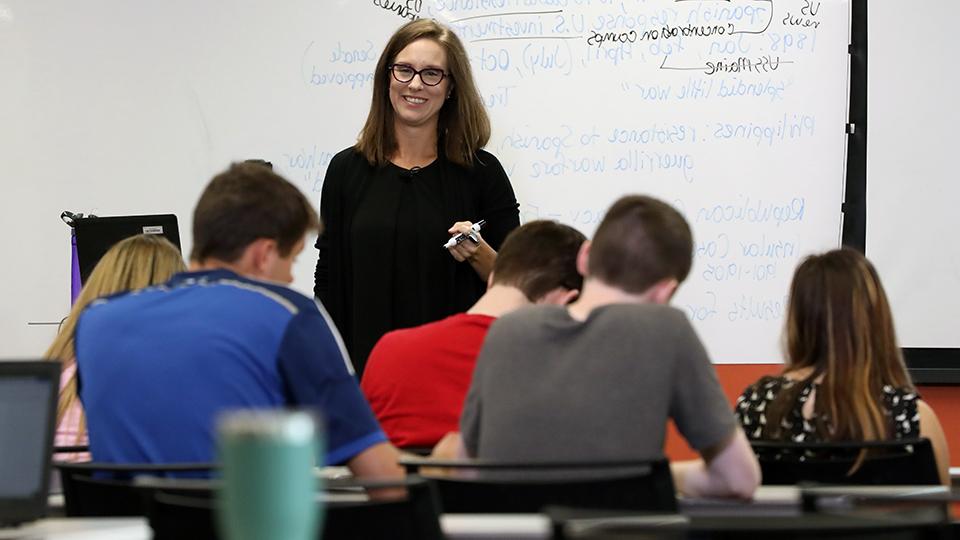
[
  {"x": 128, "y": 528},
  {"x": 770, "y": 503},
  {"x": 487, "y": 526}
]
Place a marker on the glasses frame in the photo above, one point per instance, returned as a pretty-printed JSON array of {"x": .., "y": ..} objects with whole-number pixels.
[{"x": 416, "y": 72}]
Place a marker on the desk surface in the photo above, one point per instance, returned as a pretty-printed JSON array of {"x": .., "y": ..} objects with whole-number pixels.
[
  {"x": 786, "y": 500},
  {"x": 135, "y": 528},
  {"x": 481, "y": 526},
  {"x": 470, "y": 526}
]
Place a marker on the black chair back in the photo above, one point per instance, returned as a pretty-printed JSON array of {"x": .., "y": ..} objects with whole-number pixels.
[
  {"x": 176, "y": 513},
  {"x": 904, "y": 462},
  {"x": 413, "y": 518},
  {"x": 422, "y": 451},
  {"x": 490, "y": 487},
  {"x": 175, "y": 516},
  {"x": 107, "y": 489}
]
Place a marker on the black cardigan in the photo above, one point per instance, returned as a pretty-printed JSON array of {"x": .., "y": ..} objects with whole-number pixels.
[{"x": 480, "y": 192}]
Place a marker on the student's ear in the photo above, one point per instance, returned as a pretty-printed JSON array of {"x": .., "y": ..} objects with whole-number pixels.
[
  {"x": 560, "y": 296},
  {"x": 663, "y": 290},
  {"x": 258, "y": 258},
  {"x": 490, "y": 280},
  {"x": 583, "y": 258}
]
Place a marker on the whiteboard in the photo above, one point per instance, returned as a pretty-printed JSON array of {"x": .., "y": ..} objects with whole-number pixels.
[
  {"x": 734, "y": 111},
  {"x": 911, "y": 181}
]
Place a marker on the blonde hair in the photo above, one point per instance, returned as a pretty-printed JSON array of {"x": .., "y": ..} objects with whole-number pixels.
[
  {"x": 133, "y": 263},
  {"x": 463, "y": 126},
  {"x": 839, "y": 324}
]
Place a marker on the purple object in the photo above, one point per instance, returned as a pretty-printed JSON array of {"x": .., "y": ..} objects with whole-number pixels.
[{"x": 75, "y": 284}]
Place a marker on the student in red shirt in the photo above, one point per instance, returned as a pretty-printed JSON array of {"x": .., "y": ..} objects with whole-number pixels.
[{"x": 416, "y": 378}]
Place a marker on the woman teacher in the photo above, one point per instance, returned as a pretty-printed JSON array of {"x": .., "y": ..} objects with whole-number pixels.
[{"x": 416, "y": 177}]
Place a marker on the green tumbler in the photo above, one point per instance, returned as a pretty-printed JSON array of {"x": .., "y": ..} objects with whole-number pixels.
[{"x": 269, "y": 486}]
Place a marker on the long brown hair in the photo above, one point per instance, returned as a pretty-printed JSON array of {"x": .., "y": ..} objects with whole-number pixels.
[
  {"x": 463, "y": 126},
  {"x": 133, "y": 263},
  {"x": 839, "y": 324}
]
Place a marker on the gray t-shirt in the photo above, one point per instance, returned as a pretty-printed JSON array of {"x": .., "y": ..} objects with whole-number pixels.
[{"x": 550, "y": 388}]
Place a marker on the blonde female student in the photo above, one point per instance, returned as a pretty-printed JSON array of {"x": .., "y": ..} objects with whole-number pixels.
[
  {"x": 133, "y": 263},
  {"x": 844, "y": 379}
]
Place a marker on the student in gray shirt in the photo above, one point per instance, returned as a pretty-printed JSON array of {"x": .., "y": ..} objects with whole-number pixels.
[{"x": 598, "y": 379}]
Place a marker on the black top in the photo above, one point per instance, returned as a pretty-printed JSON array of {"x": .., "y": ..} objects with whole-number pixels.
[
  {"x": 381, "y": 260},
  {"x": 899, "y": 404}
]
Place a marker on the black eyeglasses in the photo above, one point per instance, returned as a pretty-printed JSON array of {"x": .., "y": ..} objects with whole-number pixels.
[{"x": 405, "y": 73}]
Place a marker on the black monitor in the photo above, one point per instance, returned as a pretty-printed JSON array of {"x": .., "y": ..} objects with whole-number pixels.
[
  {"x": 28, "y": 410},
  {"x": 96, "y": 235}
]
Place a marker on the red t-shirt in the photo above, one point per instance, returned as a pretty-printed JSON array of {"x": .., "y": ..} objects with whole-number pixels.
[{"x": 417, "y": 378}]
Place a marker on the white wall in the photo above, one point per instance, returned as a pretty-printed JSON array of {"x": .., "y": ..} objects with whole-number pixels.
[{"x": 912, "y": 186}]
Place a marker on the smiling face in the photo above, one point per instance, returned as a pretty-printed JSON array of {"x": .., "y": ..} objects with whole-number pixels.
[{"x": 414, "y": 103}]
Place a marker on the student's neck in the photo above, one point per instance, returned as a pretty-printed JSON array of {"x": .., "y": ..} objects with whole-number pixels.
[
  {"x": 498, "y": 301},
  {"x": 416, "y": 146},
  {"x": 596, "y": 294},
  {"x": 215, "y": 264}
]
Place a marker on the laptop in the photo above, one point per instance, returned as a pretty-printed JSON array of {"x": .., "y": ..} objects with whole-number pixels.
[
  {"x": 96, "y": 235},
  {"x": 28, "y": 410}
]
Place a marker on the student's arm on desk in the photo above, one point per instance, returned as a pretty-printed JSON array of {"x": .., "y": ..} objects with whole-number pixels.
[
  {"x": 379, "y": 462},
  {"x": 729, "y": 469},
  {"x": 450, "y": 447},
  {"x": 931, "y": 429}
]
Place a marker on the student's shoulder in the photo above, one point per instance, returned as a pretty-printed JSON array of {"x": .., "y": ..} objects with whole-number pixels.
[
  {"x": 434, "y": 332},
  {"x": 117, "y": 304},
  {"x": 766, "y": 388},
  {"x": 273, "y": 294},
  {"x": 659, "y": 316},
  {"x": 405, "y": 337},
  {"x": 528, "y": 318}
]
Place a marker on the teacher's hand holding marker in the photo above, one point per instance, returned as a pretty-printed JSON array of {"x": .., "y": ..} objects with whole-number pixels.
[{"x": 466, "y": 244}]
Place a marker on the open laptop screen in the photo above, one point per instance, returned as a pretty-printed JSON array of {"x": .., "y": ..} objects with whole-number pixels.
[
  {"x": 98, "y": 234},
  {"x": 28, "y": 402}
]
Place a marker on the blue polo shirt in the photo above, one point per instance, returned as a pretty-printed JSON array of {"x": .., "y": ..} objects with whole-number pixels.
[{"x": 157, "y": 367}]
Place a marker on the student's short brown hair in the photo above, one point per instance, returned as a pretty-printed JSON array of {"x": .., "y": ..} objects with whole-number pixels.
[
  {"x": 539, "y": 257},
  {"x": 640, "y": 242},
  {"x": 245, "y": 203}
]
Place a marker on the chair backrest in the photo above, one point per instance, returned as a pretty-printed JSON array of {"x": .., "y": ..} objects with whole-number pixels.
[
  {"x": 489, "y": 487},
  {"x": 175, "y": 516},
  {"x": 903, "y": 462},
  {"x": 570, "y": 524},
  {"x": 108, "y": 489},
  {"x": 422, "y": 451},
  {"x": 413, "y": 518},
  {"x": 178, "y": 514}
]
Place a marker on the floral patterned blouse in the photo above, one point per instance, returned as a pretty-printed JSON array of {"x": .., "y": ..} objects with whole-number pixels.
[{"x": 900, "y": 406}]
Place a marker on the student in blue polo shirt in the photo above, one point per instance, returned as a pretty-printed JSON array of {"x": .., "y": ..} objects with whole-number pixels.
[{"x": 158, "y": 366}]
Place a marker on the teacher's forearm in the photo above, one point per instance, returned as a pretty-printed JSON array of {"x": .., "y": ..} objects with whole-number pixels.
[{"x": 482, "y": 260}]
